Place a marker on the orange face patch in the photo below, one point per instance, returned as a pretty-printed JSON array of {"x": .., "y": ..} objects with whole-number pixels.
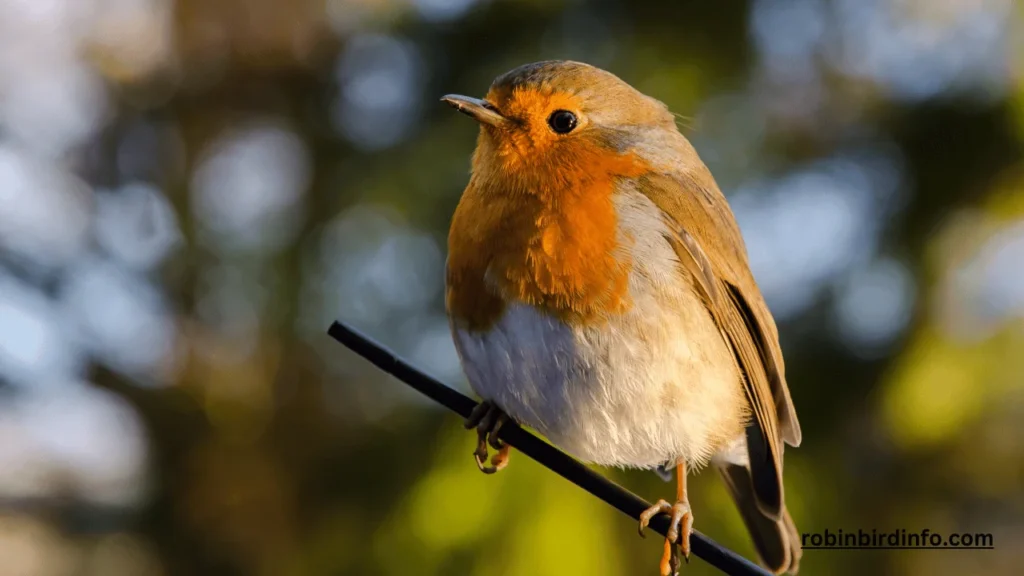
[
  {"x": 530, "y": 108},
  {"x": 537, "y": 223}
]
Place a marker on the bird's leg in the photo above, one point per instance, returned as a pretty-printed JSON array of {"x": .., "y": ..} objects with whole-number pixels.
[
  {"x": 488, "y": 420},
  {"x": 680, "y": 525}
]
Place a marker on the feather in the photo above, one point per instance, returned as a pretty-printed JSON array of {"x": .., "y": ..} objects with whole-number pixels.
[
  {"x": 711, "y": 251},
  {"x": 776, "y": 541}
]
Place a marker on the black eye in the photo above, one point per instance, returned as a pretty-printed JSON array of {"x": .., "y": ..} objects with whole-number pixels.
[{"x": 562, "y": 121}]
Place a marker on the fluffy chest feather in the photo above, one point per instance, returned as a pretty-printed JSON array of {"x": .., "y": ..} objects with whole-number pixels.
[
  {"x": 651, "y": 382},
  {"x": 542, "y": 233}
]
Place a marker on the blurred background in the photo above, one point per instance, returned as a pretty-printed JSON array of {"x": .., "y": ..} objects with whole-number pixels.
[{"x": 192, "y": 190}]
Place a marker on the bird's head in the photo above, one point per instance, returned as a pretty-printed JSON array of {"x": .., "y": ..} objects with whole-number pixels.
[{"x": 559, "y": 122}]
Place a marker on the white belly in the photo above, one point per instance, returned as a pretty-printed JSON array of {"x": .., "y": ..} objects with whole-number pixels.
[{"x": 654, "y": 385}]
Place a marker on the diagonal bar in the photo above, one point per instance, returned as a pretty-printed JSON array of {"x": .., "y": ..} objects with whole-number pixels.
[{"x": 547, "y": 455}]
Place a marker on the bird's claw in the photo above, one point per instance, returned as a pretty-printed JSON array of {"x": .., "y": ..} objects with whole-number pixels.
[
  {"x": 488, "y": 420},
  {"x": 679, "y": 528}
]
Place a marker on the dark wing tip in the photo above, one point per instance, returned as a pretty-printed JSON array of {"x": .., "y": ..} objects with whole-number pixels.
[{"x": 765, "y": 473}]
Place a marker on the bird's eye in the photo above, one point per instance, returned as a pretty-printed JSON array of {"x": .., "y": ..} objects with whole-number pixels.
[{"x": 562, "y": 121}]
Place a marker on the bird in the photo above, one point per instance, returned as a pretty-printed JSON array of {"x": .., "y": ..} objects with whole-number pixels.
[{"x": 598, "y": 290}]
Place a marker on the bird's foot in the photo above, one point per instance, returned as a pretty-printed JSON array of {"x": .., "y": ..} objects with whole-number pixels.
[
  {"x": 681, "y": 524},
  {"x": 488, "y": 420}
]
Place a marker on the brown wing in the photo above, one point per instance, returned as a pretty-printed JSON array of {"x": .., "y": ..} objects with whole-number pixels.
[{"x": 707, "y": 240}]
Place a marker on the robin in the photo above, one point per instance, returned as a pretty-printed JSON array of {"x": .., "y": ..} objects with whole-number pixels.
[{"x": 598, "y": 291}]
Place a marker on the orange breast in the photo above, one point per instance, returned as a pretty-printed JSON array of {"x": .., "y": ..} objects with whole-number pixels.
[{"x": 540, "y": 231}]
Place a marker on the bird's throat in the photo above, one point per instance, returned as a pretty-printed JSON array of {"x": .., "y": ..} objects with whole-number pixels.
[{"x": 557, "y": 249}]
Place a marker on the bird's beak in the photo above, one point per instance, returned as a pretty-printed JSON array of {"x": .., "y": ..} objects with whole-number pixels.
[{"x": 480, "y": 110}]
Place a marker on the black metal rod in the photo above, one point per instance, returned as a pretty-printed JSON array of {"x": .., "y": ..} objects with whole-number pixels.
[{"x": 547, "y": 455}]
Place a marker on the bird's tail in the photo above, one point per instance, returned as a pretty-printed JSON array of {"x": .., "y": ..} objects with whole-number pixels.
[{"x": 777, "y": 541}]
